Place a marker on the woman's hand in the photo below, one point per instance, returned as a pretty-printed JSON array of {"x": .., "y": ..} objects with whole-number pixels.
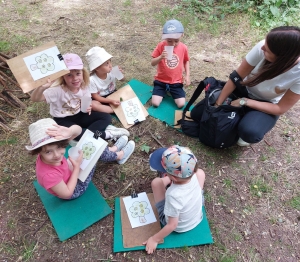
[{"x": 236, "y": 103}]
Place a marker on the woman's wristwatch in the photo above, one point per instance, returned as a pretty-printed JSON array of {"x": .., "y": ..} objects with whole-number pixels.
[{"x": 243, "y": 101}]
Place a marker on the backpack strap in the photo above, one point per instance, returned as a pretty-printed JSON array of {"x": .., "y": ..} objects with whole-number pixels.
[{"x": 196, "y": 94}]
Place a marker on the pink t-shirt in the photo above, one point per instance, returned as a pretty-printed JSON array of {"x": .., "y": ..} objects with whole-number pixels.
[
  {"x": 63, "y": 102},
  {"x": 49, "y": 176},
  {"x": 170, "y": 71}
]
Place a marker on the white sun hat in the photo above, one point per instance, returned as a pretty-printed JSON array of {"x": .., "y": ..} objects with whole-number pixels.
[
  {"x": 96, "y": 56},
  {"x": 38, "y": 135}
]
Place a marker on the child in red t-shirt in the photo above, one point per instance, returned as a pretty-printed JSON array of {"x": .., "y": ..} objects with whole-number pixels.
[{"x": 169, "y": 76}]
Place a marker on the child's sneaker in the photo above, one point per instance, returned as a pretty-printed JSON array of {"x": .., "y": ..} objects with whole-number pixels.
[
  {"x": 116, "y": 132},
  {"x": 128, "y": 150},
  {"x": 241, "y": 142},
  {"x": 121, "y": 142}
]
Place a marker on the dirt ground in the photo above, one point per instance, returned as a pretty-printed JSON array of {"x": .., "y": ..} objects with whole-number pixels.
[{"x": 251, "y": 194}]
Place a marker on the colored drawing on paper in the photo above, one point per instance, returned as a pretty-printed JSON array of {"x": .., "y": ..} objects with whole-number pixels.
[
  {"x": 89, "y": 147},
  {"x": 88, "y": 150},
  {"x": 44, "y": 63},
  {"x": 132, "y": 110},
  {"x": 139, "y": 210}
]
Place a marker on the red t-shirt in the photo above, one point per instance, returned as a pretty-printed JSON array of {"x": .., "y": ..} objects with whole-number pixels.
[
  {"x": 49, "y": 176},
  {"x": 170, "y": 71}
]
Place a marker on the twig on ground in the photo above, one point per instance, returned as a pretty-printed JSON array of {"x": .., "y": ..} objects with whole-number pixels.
[
  {"x": 253, "y": 149},
  {"x": 39, "y": 227},
  {"x": 7, "y": 114},
  {"x": 124, "y": 189},
  {"x": 266, "y": 141},
  {"x": 155, "y": 139}
]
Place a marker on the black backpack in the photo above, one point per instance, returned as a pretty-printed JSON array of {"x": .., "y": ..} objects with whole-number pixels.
[{"x": 214, "y": 126}]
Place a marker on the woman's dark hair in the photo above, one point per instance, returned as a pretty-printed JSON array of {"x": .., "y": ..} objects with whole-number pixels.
[
  {"x": 63, "y": 143},
  {"x": 284, "y": 42}
]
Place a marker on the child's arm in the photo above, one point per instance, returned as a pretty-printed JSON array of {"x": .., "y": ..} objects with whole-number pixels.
[
  {"x": 37, "y": 94},
  {"x": 64, "y": 190},
  {"x": 156, "y": 60},
  {"x": 187, "y": 73},
  {"x": 60, "y": 132},
  {"x": 152, "y": 242},
  {"x": 101, "y": 99}
]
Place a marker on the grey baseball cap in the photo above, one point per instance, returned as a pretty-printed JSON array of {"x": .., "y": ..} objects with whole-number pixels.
[{"x": 172, "y": 29}]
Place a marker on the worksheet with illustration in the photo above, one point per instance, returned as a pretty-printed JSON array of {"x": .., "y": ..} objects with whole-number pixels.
[
  {"x": 45, "y": 63},
  {"x": 92, "y": 149},
  {"x": 139, "y": 210},
  {"x": 132, "y": 110}
]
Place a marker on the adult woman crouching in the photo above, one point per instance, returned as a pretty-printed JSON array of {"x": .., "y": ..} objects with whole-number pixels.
[{"x": 268, "y": 80}]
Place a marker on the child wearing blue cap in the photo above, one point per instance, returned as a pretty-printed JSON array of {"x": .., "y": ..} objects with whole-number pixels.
[
  {"x": 169, "y": 76},
  {"x": 180, "y": 206}
]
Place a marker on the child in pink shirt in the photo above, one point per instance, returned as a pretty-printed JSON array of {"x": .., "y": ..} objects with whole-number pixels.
[{"x": 58, "y": 175}]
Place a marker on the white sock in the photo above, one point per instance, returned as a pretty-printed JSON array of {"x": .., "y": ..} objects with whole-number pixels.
[{"x": 108, "y": 135}]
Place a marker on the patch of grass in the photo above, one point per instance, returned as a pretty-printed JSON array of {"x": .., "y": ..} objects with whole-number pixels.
[
  {"x": 259, "y": 186},
  {"x": 227, "y": 182},
  {"x": 4, "y": 46},
  {"x": 127, "y": 3},
  {"x": 122, "y": 176},
  {"x": 263, "y": 157},
  {"x": 295, "y": 202},
  {"x": 167, "y": 13},
  {"x": 275, "y": 176},
  {"x": 11, "y": 223},
  {"x": 28, "y": 251},
  {"x": 10, "y": 141},
  {"x": 145, "y": 148},
  {"x": 8, "y": 248}
]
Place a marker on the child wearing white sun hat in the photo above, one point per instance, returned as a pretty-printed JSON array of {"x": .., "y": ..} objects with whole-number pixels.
[
  {"x": 102, "y": 80},
  {"x": 58, "y": 175}
]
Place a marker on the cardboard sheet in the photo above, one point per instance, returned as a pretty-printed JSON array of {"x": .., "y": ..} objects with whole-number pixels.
[
  {"x": 125, "y": 93},
  {"x": 178, "y": 116},
  {"x": 200, "y": 235},
  {"x": 22, "y": 74},
  {"x": 133, "y": 237}
]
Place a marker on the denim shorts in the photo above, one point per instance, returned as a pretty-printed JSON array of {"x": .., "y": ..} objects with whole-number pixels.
[
  {"x": 160, "y": 206},
  {"x": 161, "y": 88}
]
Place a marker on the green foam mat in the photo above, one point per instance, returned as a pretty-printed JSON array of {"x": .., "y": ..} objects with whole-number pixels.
[
  {"x": 142, "y": 90},
  {"x": 69, "y": 217},
  {"x": 200, "y": 235},
  {"x": 166, "y": 111}
]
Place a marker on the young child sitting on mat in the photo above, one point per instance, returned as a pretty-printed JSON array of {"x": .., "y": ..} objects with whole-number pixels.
[
  {"x": 180, "y": 206},
  {"x": 54, "y": 172},
  {"x": 102, "y": 80},
  {"x": 169, "y": 76}
]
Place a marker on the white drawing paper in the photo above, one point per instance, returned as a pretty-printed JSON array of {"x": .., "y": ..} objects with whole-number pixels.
[
  {"x": 139, "y": 210},
  {"x": 132, "y": 110},
  {"x": 44, "y": 63},
  {"x": 89, "y": 147}
]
